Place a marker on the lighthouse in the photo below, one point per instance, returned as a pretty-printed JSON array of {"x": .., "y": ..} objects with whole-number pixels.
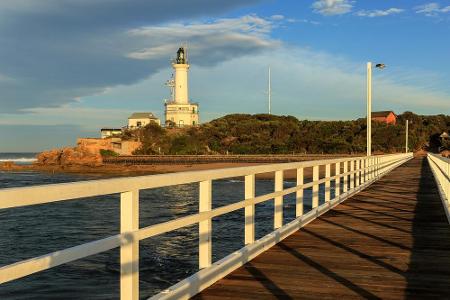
[{"x": 179, "y": 111}]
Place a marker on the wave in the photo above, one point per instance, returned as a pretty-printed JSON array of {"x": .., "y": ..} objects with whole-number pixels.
[{"x": 18, "y": 159}]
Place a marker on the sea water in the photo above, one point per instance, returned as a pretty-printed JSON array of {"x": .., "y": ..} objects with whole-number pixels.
[
  {"x": 18, "y": 157},
  {"x": 27, "y": 232}
]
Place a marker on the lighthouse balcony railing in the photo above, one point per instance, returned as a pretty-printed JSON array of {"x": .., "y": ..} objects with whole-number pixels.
[
  {"x": 174, "y": 102},
  {"x": 349, "y": 175}
]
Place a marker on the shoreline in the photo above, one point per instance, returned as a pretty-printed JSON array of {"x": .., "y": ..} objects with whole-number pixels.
[{"x": 116, "y": 170}]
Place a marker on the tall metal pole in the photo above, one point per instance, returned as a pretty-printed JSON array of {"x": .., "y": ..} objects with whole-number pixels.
[
  {"x": 270, "y": 94},
  {"x": 406, "y": 145},
  {"x": 369, "y": 109}
]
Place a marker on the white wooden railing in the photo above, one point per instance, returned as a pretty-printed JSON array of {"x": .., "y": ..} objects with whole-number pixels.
[
  {"x": 353, "y": 174},
  {"x": 440, "y": 166}
]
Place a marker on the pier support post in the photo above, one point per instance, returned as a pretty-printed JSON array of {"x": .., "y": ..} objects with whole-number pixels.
[
  {"x": 299, "y": 194},
  {"x": 352, "y": 175},
  {"x": 327, "y": 182},
  {"x": 278, "y": 201},
  {"x": 315, "y": 187},
  {"x": 249, "y": 210},
  {"x": 129, "y": 249},
  {"x": 345, "y": 186},
  {"x": 205, "y": 227},
  {"x": 337, "y": 182},
  {"x": 358, "y": 173},
  {"x": 366, "y": 170}
]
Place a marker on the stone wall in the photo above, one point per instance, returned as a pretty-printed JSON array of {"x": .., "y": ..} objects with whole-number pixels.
[{"x": 94, "y": 145}]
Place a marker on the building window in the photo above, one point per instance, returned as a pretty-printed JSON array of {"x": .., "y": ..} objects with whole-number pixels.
[
  {"x": 138, "y": 124},
  {"x": 193, "y": 123}
]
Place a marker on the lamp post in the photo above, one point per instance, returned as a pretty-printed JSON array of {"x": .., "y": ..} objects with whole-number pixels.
[{"x": 369, "y": 105}]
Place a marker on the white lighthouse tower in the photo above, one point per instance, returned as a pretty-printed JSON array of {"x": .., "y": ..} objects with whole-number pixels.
[{"x": 179, "y": 111}]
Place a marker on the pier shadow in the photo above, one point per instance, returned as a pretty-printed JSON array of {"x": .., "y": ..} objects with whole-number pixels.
[
  {"x": 270, "y": 286},
  {"x": 428, "y": 274},
  {"x": 329, "y": 273}
]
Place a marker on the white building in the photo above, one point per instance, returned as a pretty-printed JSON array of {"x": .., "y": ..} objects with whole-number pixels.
[
  {"x": 110, "y": 132},
  {"x": 141, "y": 119},
  {"x": 179, "y": 111}
]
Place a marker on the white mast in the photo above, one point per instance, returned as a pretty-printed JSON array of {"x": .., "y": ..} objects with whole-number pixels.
[{"x": 270, "y": 94}]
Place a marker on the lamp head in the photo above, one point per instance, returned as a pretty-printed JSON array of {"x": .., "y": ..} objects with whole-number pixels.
[{"x": 380, "y": 66}]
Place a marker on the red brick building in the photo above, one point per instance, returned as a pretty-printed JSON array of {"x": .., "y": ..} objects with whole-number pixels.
[{"x": 388, "y": 117}]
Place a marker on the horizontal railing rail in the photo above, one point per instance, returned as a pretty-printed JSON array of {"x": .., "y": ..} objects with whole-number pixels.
[
  {"x": 440, "y": 166},
  {"x": 351, "y": 174}
]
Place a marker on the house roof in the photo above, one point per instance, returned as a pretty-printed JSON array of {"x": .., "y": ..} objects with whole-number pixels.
[
  {"x": 142, "y": 115},
  {"x": 382, "y": 113},
  {"x": 111, "y": 129}
]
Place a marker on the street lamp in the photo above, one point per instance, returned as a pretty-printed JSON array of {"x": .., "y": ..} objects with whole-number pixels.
[{"x": 369, "y": 105}]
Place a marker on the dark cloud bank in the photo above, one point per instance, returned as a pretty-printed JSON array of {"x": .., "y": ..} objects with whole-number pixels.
[{"x": 53, "y": 51}]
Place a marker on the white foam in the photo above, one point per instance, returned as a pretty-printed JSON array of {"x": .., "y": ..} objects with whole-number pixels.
[{"x": 18, "y": 159}]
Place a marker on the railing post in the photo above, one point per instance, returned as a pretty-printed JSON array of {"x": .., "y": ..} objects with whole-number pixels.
[
  {"x": 345, "y": 186},
  {"x": 129, "y": 249},
  {"x": 299, "y": 194},
  {"x": 447, "y": 192},
  {"x": 371, "y": 168},
  {"x": 315, "y": 188},
  {"x": 352, "y": 175},
  {"x": 448, "y": 182},
  {"x": 327, "y": 182},
  {"x": 337, "y": 181},
  {"x": 358, "y": 173},
  {"x": 366, "y": 169},
  {"x": 249, "y": 210},
  {"x": 278, "y": 201},
  {"x": 204, "y": 227},
  {"x": 378, "y": 166}
]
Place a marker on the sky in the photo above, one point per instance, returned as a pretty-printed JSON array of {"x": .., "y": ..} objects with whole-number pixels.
[{"x": 71, "y": 67}]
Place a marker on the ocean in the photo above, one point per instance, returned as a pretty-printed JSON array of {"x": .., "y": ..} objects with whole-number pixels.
[
  {"x": 18, "y": 157},
  {"x": 27, "y": 232}
]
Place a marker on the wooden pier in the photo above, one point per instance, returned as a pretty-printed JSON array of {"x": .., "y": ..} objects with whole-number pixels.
[
  {"x": 383, "y": 233},
  {"x": 390, "y": 241}
]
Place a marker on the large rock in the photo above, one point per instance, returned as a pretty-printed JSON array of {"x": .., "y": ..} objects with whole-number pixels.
[
  {"x": 69, "y": 157},
  {"x": 10, "y": 166},
  {"x": 446, "y": 153}
]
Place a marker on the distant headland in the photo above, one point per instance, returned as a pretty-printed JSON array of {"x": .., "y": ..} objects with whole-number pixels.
[{"x": 243, "y": 134}]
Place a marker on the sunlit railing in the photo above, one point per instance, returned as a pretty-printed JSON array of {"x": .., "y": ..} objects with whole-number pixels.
[
  {"x": 348, "y": 174},
  {"x": 440, "y": 166}
]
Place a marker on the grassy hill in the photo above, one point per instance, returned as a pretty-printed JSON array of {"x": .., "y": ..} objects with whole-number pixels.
[{"x": 270, "y": 134}]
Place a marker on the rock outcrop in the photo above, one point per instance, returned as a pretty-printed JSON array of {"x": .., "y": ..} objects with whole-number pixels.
[
  {"x": 69, "y": 157},
  {"x": 446, "y": 153},
  {"x": 10, "y": 166}
]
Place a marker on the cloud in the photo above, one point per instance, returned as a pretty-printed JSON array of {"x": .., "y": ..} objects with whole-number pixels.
[
  {"x": 208, "y": 43},
  {"x": 58, "y": 50},
  {"x": 332, "y": 7},
  {"x": 379, "y": 13},
  {"x": 432, "y": 9},
  {"x": 277, "y": 17}
]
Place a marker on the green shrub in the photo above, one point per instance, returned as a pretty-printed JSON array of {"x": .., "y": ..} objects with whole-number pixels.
[{"x": 104, "y": 152}]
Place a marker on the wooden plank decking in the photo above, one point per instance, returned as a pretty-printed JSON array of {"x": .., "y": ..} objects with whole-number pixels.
[{"x": 391, "y": 241}]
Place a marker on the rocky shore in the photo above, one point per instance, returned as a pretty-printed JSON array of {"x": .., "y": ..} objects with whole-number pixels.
[{"x": 84, "y": 161}]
